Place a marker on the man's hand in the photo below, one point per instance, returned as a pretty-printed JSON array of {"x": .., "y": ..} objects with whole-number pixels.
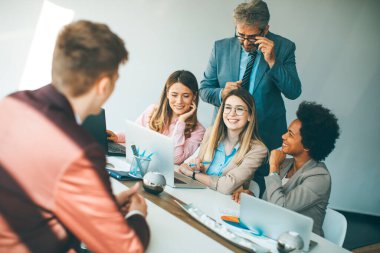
[
  {"x": 229, "y": 87},
  {"x": 276, "y": 158},
  {"x": 236, "y": 194},
  {"x": 123, "y": 199},
  {"x": 199, "y": 165},
  {"x": 138, "y": 203},
  {"x": 185, "y": 116},
  {"x": 266, "y": 46}
]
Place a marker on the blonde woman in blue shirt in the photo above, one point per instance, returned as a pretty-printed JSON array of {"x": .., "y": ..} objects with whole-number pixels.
[{"x": 231, "y": 150}]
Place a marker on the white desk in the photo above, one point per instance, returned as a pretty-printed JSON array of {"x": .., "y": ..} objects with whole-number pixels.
[
  {"x": 211, "y": 202},
  {"x": 170, "y": 234}
]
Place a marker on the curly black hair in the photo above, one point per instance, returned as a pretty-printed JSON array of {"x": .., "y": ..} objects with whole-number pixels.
[{"x": 319, "y": 130}]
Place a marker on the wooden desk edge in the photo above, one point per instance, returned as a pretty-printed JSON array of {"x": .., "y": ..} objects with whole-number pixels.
[{"x": 166, "y": 202}]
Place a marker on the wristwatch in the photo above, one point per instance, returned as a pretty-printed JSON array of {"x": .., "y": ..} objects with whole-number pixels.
[
  {"x": 273, "y": 173},
  {"x": 193, "y": 176}
]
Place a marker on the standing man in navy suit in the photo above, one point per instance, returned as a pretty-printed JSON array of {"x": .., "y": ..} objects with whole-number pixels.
[{"x": 260, "y": 61}]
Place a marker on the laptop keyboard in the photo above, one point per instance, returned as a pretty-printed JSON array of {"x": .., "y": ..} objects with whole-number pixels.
[{"x": 116, "y": 148}]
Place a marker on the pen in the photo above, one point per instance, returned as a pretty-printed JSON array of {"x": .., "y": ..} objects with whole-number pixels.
[
  {"x": 149, "y": 155},
  {"x": 193, "y": 164},
  {"x": 136, "y": 154}
]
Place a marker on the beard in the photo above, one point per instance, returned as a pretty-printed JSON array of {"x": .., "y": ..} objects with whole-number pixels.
[{"x": 252, "y": 48}]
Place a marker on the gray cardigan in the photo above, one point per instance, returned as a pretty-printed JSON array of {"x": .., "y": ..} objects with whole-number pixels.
[{"x": 307, "y": 191}]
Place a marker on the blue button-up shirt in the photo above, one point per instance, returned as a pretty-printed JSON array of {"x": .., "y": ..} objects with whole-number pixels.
[
  {"x": 244, "y": 58},
  {"x": 221, "y": 160}
]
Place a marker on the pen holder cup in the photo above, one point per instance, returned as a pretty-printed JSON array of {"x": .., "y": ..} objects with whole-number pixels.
[{"x": 139, "y": 166}]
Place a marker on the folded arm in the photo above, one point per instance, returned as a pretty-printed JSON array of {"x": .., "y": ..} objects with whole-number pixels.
[
  {"x": 312, "y": 190},
  {"x": 238, "y": 175}
]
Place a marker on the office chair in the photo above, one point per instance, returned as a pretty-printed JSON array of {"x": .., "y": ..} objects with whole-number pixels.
[{"x": 335, "y": 227}]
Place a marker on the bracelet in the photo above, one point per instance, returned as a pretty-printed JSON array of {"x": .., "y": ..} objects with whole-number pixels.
[
  {"x": 273, "y": 173},
  {"x": 193, "y": 176}
]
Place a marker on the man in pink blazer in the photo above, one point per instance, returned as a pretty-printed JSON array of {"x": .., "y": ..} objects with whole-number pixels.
[{"x": 54, "y": 191}]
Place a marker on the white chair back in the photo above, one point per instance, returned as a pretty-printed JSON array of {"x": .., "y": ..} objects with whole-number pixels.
[
  {"x": 335, "y": 227},
  {"x": 255, "y": 188}
]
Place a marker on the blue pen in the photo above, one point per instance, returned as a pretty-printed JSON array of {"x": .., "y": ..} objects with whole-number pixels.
[
  {"x": 193, "y": 164},
  {"x": 149, "y": 155}
]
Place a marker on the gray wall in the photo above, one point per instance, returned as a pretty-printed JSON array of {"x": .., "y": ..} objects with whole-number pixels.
[{"x": 337, "y": 55}]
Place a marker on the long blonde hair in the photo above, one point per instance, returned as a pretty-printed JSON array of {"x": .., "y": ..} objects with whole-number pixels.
[
  {"x": 161, "y": 117},
  {"x": 219, "y": 129}
]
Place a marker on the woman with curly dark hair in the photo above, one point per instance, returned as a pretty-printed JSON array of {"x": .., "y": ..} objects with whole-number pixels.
[{"x": 303, "y": 183}]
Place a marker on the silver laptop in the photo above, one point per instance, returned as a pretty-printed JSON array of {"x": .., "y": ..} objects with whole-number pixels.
[
  {"x": 162, "y": 148},
  {"x": 273, "y": 220}
]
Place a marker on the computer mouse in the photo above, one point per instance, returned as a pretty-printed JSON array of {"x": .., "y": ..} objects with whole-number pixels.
[
  {"x": 154, "y": 182},
  {"x": 290, "y": 241}
]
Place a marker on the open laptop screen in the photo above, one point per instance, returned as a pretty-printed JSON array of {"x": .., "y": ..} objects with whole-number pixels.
[{"x": 272, "y": 220}]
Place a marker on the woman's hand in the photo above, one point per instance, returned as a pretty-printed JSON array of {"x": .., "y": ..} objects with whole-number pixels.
[
  {"x": 185, "y": 116},
  {"x": 199, "y": 165},
  {"x": 276, "y": 158},
  {"x": 111, "y": 136},
  {"x": 186, "y": 170},
  {"x": 236, "y": 194}
]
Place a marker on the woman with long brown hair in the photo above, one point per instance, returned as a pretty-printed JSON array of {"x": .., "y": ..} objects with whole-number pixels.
[{"x": 175, "y": 115}]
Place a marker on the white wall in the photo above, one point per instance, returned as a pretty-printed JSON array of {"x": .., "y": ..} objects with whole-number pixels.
[{"x": 337, "y": 54}]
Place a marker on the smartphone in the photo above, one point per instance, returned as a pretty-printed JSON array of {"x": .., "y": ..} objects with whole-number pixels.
[{"x": 121, "y": 175}]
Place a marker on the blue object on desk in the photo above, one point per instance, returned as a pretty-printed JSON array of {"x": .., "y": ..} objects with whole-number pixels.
[
  {"x": 121, "y": 175},
  {"x": 235, "y": 221},
  {"x": 193, "y": 164}
]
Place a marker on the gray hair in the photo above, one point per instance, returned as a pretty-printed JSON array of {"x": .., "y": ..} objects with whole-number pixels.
[{"x": 253, "y": 12}]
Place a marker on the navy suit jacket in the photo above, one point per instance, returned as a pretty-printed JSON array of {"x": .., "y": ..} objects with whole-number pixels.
[{"x": 282, "y": 78}]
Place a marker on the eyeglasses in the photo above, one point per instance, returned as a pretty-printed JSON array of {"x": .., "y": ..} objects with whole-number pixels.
[
  {"x": 239, "y": 110},
  {"x": 250, "y": 38}
]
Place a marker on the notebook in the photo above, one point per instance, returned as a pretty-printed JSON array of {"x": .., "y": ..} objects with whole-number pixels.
[
  {"x": 162, "y": 160},
  {"x": 272, "y": 220},
  {"x": 96, "y": 126}
]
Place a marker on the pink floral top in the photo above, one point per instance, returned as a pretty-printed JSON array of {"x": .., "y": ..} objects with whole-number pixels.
[{"x": 183, "y": 148}]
